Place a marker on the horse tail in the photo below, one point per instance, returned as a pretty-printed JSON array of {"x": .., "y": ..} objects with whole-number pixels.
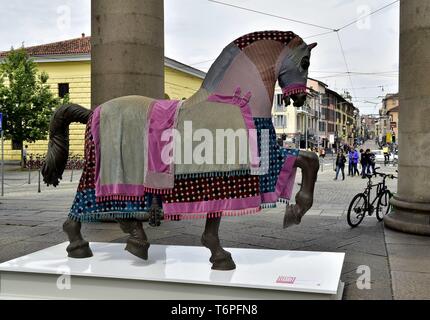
[{"x": 58, "y": 147}]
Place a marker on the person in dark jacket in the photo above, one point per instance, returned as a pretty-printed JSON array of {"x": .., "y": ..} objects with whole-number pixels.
[
  {"x": 340, "y": 165},
  {"x": 351, "y": 162},
  {"x": 363, "y": 162},
  {"x": 372, "y": 162}
]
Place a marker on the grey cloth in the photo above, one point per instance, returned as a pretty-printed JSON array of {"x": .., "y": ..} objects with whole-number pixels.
[
  {"x": 212, "y": 116},
  {"x": 122, "y": 139}
]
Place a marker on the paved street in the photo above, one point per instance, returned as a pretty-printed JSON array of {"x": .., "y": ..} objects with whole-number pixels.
[{"x": 31, "y": 221}]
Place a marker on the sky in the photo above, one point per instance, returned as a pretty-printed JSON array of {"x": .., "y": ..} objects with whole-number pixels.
[{"x": 196, "y": 31}]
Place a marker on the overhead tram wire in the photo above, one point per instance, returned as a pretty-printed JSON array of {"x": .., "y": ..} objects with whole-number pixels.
[
  {"x": 368, "y": 15},
  {"x": 271, "y": 15},
  {"x": 319, "y": 34},
  {"x": 201, "y": 62},
  {"x": 346, "y": 63}
]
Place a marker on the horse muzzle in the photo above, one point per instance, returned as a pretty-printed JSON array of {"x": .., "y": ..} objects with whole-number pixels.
[{"x": 299, "y": 99}]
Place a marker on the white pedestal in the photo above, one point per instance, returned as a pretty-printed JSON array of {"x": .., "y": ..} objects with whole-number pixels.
[{"x": 172, "y": 273}]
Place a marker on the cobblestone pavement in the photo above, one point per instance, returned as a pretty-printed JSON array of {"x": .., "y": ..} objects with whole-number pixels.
[{"x": 30, "y": 221}]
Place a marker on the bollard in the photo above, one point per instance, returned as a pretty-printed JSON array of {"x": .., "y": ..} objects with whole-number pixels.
[
  {"x": 29, "y": 175},
  {"x": 71, "y": 176},
  {"x": 38, "y": 190}
]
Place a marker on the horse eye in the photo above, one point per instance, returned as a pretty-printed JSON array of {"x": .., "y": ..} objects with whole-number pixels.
[{"x": 305, "y": 63}]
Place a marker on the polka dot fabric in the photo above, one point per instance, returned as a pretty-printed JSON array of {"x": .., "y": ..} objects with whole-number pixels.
[
  {"x": 284, "y": 37},
  {"x": 213, "y": 188},
  {"x": 273, "y": 157}
]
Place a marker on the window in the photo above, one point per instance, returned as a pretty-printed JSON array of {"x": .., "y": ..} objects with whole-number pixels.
[
  {"x": 280, "y": 99},
  {"x": 279, "y": 121},
  {"x": 63, "y": 89}
]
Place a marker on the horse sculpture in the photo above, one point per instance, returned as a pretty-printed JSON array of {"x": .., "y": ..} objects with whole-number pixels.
[{"x": 125, "y": 174}]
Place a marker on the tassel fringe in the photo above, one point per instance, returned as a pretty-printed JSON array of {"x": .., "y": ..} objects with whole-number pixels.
[
  {"x": 283, "y": 200},
  {"x": 268, "y": 205},
  {"x": 158, "y": 191},
  {"x": 133, "y": 198},
  {"x": 97, "y": 217},
  {"x": 192, "y": 216},
  {"x": 120, "y": 198},
  {"x": 213, "y": 174}
]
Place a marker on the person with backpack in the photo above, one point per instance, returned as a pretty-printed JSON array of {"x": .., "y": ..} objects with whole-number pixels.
[{"x": 340, "y": 165}]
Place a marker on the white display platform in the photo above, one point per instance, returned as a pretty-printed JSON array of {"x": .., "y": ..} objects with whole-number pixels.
[{"x": 172, "y": 273}]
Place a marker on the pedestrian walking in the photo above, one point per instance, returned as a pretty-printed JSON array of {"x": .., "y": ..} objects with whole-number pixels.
[
  {"x": 386, "y": 152},
  {"x": 24, "y": 156},
  {"x": 372, "y": 162},
  {"x": 340, "y": 165},
  {"x": 351, "y": 163},
  {"x": 363, "y": 162},
  {"x": 355, "y": 159}
]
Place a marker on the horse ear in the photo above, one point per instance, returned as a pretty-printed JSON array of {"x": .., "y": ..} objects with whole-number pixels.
[{"x": 313, "y": 45}]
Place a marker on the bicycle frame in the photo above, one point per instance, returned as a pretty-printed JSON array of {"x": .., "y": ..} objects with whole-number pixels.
[{"x": 380, "y": 187}]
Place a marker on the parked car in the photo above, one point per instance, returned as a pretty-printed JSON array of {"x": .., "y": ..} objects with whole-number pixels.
[
  {"x": 395, "y": 158},
  {"x": 379, "y": 156}
]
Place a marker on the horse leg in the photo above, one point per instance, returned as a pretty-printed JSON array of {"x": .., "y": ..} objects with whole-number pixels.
[
  {"x": 155, "y": 213},
  {"x": 78, "y": 247},
  {"x": 220, "y": 259},
  {"x": 309, "y": 164},
  {"x": 137, "y": 243}
]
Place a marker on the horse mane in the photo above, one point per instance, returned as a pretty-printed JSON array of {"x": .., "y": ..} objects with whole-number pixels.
[
  {"x": 265, "y": 63},
  {"x": 284, "y": 37}
]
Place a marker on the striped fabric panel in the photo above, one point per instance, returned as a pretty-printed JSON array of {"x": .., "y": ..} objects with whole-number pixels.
[{"x": 264, "y": 54}]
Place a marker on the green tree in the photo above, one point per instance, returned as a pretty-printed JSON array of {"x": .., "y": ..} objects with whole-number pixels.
[{"x": 25, "y": 99}]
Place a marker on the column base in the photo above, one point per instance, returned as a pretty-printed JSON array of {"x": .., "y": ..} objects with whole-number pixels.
[{"x": 409, "y": 217}]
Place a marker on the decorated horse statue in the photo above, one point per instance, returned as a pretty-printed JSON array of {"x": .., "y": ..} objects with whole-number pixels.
[{"x": 141, "y": 152}]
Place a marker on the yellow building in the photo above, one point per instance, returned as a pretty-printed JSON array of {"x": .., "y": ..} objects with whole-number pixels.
[
  {"x": 390, "y": 115},
  {"x": 68, "y": 64}
]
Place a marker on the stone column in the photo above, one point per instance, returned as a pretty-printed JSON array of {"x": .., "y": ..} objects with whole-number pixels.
[
  {"x": 411, "y": 212},
  {"x": 127, "y": 54}
]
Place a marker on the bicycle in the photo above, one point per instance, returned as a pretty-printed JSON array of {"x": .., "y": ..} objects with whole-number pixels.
[{"x": 360, "y": 204}]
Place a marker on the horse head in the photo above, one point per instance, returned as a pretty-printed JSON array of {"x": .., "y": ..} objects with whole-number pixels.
[
  {"x": 255, "y": 62},
  {"x": 293, "y": 70}
]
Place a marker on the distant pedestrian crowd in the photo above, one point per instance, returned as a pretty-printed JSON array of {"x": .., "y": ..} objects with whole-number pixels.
[{"x": 365, "y": 158}]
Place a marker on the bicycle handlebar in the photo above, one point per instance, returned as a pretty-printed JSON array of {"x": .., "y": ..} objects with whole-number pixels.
[{"x": 384, "y": 175}]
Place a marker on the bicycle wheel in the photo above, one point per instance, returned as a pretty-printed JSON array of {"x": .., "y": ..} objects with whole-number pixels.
[
  {"x": 357, "y": 210},
  {"x": 384, "y": 206}
]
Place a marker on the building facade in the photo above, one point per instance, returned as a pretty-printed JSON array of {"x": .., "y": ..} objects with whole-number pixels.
[
  {"x": 68, "y": 64},
  {"x": 389, "y": 114},
  {"x": 326, "y": 120}
]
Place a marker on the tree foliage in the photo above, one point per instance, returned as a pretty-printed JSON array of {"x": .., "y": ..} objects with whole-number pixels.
[{"x": 25, "y": 99}]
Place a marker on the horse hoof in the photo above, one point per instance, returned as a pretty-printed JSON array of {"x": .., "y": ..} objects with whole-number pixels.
[
  {"x": 222, "y": 261},
  {"x": 224, "y": 265},
  {"x": 291, "y": 218},
  {"x": 79, "y": 250},
  {"x": 138, "y": 249}
]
